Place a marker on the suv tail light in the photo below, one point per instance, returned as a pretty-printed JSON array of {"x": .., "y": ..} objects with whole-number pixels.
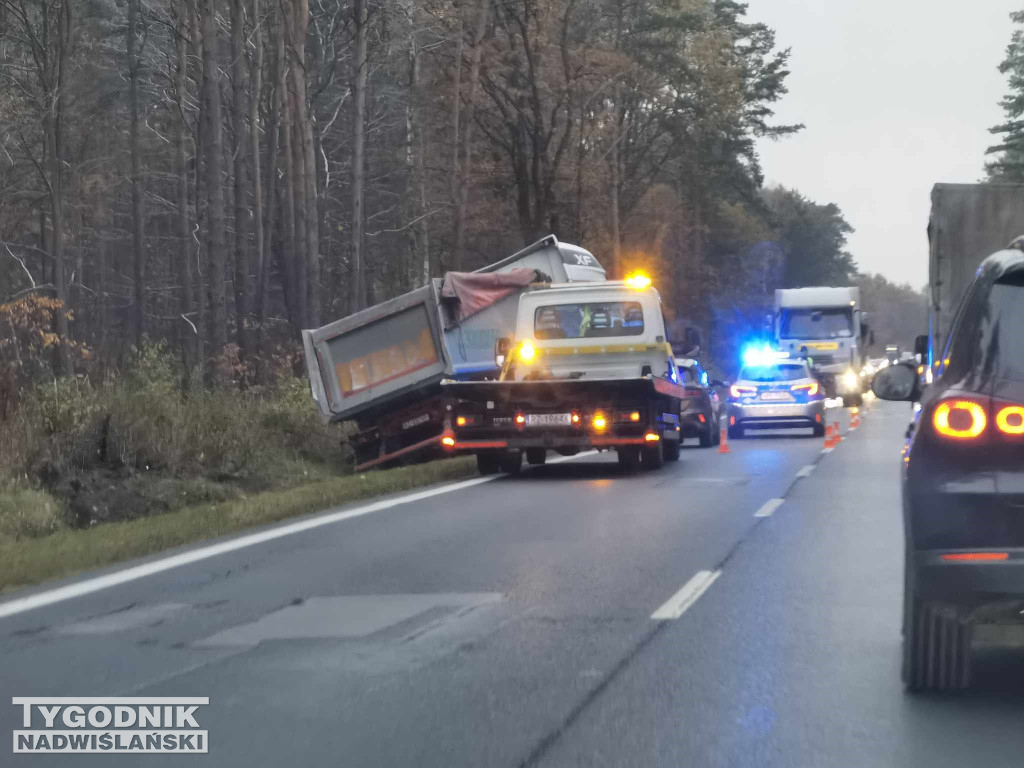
[
  {"x": 1010, "y": 420},
  {"x": 973, "y": 417},
  {"x": 808, "y": 389},
  {"x": 960, "y": 419}
]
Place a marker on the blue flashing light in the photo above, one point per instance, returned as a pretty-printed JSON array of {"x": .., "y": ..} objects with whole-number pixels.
[{"x": 761, "y": 354}]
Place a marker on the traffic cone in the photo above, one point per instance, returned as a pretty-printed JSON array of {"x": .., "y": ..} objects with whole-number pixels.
[
  {"x": 723, "y": 443},
  {"x": 828, "y": 436},
  {"x": 855, "y": 419}
]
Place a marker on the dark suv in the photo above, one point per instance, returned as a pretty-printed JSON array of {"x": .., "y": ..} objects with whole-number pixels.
[{"x": 963, "y": 480}]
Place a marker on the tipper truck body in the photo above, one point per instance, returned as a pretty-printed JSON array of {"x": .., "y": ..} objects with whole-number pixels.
[{"x": 382, "y": 367}]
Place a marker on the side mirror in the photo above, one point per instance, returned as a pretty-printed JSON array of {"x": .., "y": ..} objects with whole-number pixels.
[
  {"x": 921, "y": 346},
  {"x": 501, "y": 349},
  {"x": 897, "y": 382}
]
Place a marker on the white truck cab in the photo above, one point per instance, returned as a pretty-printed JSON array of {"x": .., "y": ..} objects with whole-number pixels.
[{"x": 606, "y": 330}]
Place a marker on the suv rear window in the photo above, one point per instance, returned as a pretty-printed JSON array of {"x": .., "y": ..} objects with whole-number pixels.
[
  {"x": 1002, "y": 346},
  {"x": 787, "y": 372},
  {"x": 589, "y": 320}
]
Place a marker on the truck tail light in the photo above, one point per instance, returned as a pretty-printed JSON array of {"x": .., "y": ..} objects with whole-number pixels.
[
  {"x": 737, "y": 391},
  {"x": 520, "y": 420},
  {"x": 652, "y": 437},
  {"x": 960, "y": 419},
  {"x": 575, "y": 418},
  {"x": 448, "y": 441},
  {"x": 599, "y": 421},
  {"x": 465, "y": 421}
]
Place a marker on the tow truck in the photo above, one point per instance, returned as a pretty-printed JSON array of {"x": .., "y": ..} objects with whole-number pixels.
[{"x": 589, "y": 367}]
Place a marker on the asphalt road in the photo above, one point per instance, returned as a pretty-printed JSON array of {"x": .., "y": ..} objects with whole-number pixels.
[{"x": 509, "y": 623}]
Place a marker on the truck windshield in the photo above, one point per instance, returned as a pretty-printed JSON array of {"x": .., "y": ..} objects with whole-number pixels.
[
  {"x": 816, "y": 324},
  {"x": 785, "y": 372},
  {"x": 590, "y": 320}
]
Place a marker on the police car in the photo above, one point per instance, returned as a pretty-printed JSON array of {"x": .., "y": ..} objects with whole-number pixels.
[{"x": 774, "y": 391}]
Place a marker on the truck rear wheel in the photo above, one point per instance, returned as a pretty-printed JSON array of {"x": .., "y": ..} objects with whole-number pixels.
[
  {"x": 629, "y": 457},
  {"x": 487, "y": 462},
  {"x": 672, "y": 449},
  {"x": 536, "y": 455},
  {"x": 652, "y": 456},
  {"x": 511, "y": 462},
  {"x": 705, "y": 437}
]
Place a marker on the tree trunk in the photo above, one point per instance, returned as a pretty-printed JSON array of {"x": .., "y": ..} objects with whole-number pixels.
[
  {"x": 190, "y": 347},
  {"x": 215, "y": 239},
  {"x": 52, "y": 120},
  {"x": 255, "y": 92},
  {"x": 462, "y": 189},
  {"x": 138, "y": 248},
  {"x": 273, "y": 135},
  {"x": 358, "y": 280},
  {"x": 241, "y": 192}
]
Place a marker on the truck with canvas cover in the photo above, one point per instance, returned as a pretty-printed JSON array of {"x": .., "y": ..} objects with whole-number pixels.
[
  {"x": 589, "y": 367},
  {"x": 968, "y": 223},
  {"x": 382, "y": 367}
]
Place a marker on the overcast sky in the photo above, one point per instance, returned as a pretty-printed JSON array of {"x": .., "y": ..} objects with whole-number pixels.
[{"x": 896, "y": 95}]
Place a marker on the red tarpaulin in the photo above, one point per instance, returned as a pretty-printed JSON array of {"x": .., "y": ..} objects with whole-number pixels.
[{"x": 478, "y": 290}]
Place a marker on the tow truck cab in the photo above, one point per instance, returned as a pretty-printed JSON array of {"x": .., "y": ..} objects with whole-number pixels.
[{"x": 590, "y": 367}]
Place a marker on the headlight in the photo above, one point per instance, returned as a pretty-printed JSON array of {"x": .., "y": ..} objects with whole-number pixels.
[{"x": 850, "y": 380}]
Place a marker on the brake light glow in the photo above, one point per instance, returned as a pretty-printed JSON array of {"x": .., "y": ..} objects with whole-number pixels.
[
  {"x": 652, "y": 437},
  {"x": 520, "y": 419},
  {"x": 575, "y": 418},
  {"x": 959, "y": 419},
  {"x": 738, "y": 391},
  {"x": 976, "y": 556},
  {"x": 811, "y": 389},
  {"x": 599, "y": 421},
  {"x": 634, "y": 416},
  {"x": 462, "y": 421},
  {"x": 1010, "y": 420},
  {"x": 448, "y": 441}
]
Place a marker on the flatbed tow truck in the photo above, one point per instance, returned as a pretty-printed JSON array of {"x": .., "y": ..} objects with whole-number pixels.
[{"x": 589, "y": 367}]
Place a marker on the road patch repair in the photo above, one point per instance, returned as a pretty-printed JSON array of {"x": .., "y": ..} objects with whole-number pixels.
[{"x": 353, "y": 617}]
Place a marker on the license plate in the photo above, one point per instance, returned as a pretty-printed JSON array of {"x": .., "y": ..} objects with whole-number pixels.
[
  {"x": 548, "y": 419},
  {"x": 776, "y": 396}
]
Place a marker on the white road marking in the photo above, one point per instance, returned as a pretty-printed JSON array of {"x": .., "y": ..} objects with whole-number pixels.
[
  {"x": 98, "y": 583},
  {"x": 805, "y": 471},
  {"x": 826, "y": 450},
  {"x": 681, "y": 601},
  {"x": 769, "y": 507}
]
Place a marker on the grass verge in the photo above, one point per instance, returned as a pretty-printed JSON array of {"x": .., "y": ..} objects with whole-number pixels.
[{"x": 31, "y": 561}]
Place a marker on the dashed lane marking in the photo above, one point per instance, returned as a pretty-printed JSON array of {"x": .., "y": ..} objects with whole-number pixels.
[
  {"x": 690, "y": 593},
  {"x": 769, "y": 507}
]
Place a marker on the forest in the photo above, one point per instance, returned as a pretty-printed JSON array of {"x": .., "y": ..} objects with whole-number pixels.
[{"x": 186, "y": 184}]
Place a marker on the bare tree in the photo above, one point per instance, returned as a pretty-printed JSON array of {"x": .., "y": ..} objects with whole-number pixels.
[
  {"x": 359, "y": 66},
  {"x": 214, "y": 184}
]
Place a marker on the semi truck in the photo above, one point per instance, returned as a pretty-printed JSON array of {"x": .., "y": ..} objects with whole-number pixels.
[
  {"x": 828, "y": 327},
  {"x": 382, "y": 367},
  {"x": 968, "y": 222},
  {"x": 589, "y": 366}
]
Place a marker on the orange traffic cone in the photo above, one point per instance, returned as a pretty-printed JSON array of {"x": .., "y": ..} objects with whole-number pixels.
[
  {"x": 828, "y": 436},
  {"x": 723, "y": 443}
]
